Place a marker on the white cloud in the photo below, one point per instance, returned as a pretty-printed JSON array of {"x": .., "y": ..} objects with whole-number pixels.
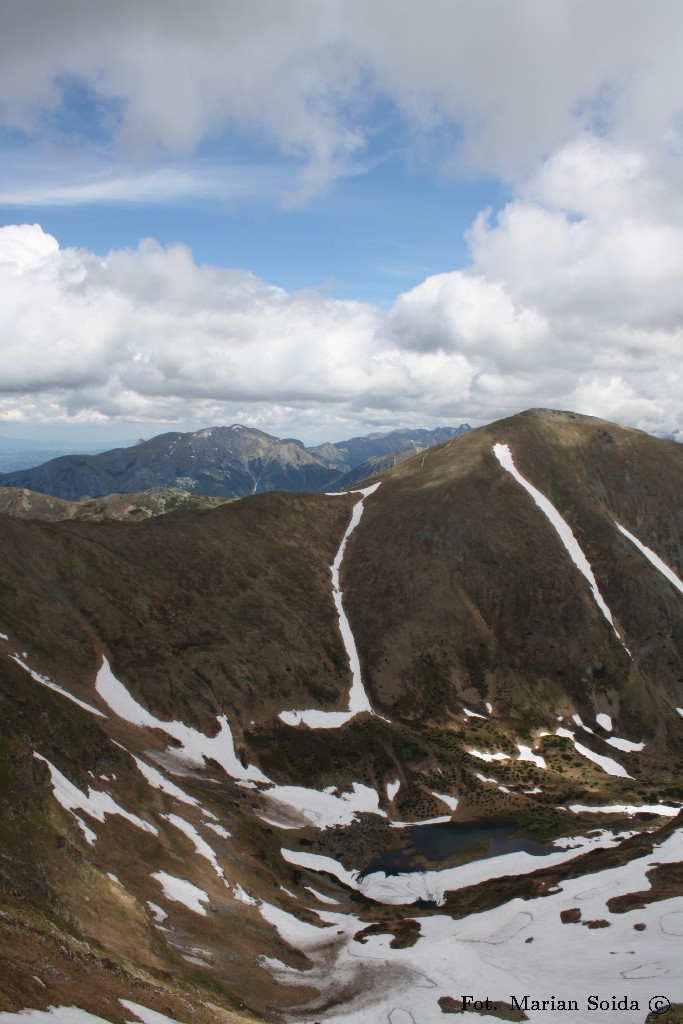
[
  {"x": 486, "y": 87},
  {"x": 102, "y": 183},
  {"x": 562, "y": 305},
  {"x": 572, "y": 296},
  {"x": 574, "y": 288}
]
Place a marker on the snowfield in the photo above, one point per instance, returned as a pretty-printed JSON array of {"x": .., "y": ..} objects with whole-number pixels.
[{"x": 519, "y": 948}]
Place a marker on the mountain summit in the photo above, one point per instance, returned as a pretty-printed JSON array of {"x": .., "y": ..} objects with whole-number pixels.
[{"x": 252, "y": 757}]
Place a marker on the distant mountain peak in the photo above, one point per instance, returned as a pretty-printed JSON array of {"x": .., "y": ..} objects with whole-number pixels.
[{"x": 221, "y": 461}]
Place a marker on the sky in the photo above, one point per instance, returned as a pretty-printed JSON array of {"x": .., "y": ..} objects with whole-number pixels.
[{"x": 326, "y": 217}]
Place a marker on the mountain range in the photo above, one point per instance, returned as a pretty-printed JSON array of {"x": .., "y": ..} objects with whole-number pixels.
[
  {"x": 354, "y": 757},
  {"x": 226, "y": 462}
]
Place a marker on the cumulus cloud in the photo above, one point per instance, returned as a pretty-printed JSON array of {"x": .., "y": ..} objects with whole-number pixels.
[
  {"x": 482, "y": 87},
  {"x": 563, "y": 304},
  {"x": 572, "y": 293},
  {"x": 574, "y": 287}
]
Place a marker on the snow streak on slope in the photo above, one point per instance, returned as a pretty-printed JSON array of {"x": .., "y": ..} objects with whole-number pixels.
[
  {"x": 607, "y": 764},
  {"x": 653, "y": 558},
  {"x": 358, "y": 698},
  {"x": 504, "y": 456},
  {"x": 483, "y": 755},
  {"x": 160, "y": 782},
  {"x": 627, "y": 745},
  {"x": 195, "y": 745},
  {"x": 56, "y": 687},
  {"x": 449, "y": 801},
  {"x": 97, "y": 804},
  {"x": 200, "y": 845},
  {"x": 664, "y": 809}
]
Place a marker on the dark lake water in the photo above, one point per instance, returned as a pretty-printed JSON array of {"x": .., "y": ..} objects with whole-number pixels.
[{"x": 439, "y": 842}]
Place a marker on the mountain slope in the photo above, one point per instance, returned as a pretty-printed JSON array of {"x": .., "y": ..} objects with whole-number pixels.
[
  {"x": 465, "y": 528},
  {"x": 228, "y": 462},
  {"x": 151, "y": 679}
]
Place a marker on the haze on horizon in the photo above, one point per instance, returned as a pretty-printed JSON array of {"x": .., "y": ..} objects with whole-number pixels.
[{"x": 323, "y": 218}]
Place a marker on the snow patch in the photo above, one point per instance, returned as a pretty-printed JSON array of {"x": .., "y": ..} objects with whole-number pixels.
[
  {"x": 604, "y": 720},
  {"x": 449, "y": 801},
  {"x": 178, "y": 890},
  {"x": 321, "y": 896},
  {"x": 243, "y": 896},
  {"x": 298, "y": 933},
  {"x": 393, "y": 788},
  {"x": 407, "y": 887},
  {"x": 53, "y": 1015},
  {"x": 90, "y": 836},
  {"x": 325, "y": 809},
  {"x": 441, "y": 820},
  {"x": 158, "y": 912},
  {"x": 527, "y": 754},
  {"x": 484, "y": 756},
  {"x": 322, "y": 864},
  {"x": 627, "y": 745},
  {"x": 218, "y": 829},
  {"x": 489, "y": 949}
]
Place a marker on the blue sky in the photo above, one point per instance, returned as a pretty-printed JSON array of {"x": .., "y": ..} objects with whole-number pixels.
[
  {"x": 324, "y": 218},
  {"x": 369, "y": 235}
]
